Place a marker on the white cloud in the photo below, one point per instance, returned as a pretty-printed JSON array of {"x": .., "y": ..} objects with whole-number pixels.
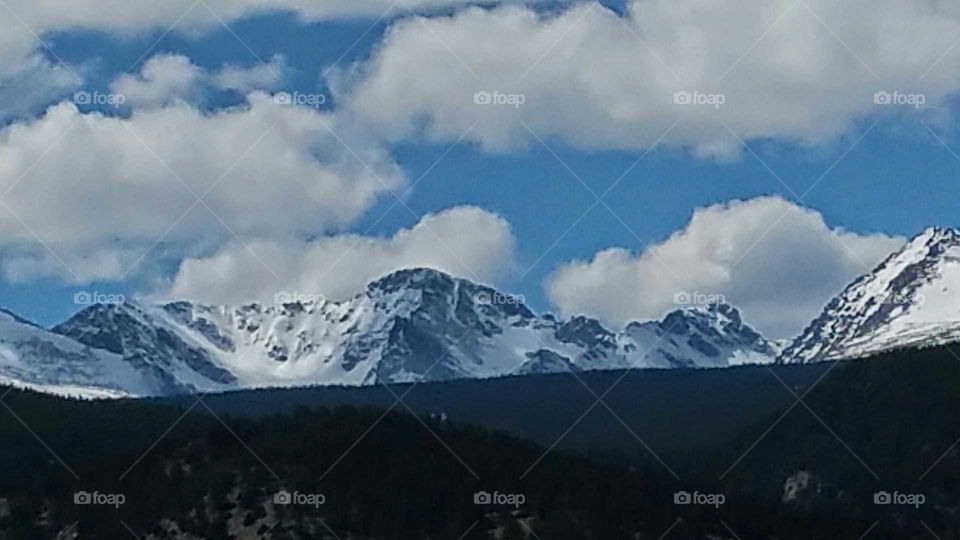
[
  {"x": 31, "y": 88},
  {"x": 118, "y": 15},
  {"x": 260, "y": 76},
  {"x": 778, "y": 262},
  {"x": 23, "y": 64},
  {"x": 99, "y": 190},
  {"x": 28, "y": 81},
  {"x": 600, "y": 80},
  {"x": 163, "y": 79},
  {"x": 463, "y": 241}
]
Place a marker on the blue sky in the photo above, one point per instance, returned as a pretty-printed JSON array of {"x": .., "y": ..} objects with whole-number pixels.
[{"x": 897, "y": 180}]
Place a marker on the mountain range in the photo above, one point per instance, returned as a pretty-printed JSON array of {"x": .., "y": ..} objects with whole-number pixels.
[{"x": 421, "y": 324}]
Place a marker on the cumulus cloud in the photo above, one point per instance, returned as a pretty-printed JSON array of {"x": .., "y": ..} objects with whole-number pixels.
[
  {"x": 96, "y": 190},
  {"x": 34, "y": 86},
  {"x": 463, "y": 241},
  {"x": 28, "y": 80},
  {"x": 168, "y": 78},
  {"x": 23, "y": 64},
  {"x": 261, "y": 76},
  {"x": 805, "y": 72},
  {"x": 163, "y": 79},
  {"x": 779, "y": 262}
]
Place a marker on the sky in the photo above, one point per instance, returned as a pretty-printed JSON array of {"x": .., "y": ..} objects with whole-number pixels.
[{"x": 632, "y": 158}]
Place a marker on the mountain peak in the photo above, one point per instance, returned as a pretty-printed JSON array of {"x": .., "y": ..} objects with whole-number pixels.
[
  {"x": 929, "y": 245},
  {"x": 705, "y": 327},
  {"x": 415, "y": 278},
  {"x": 910, "y": 299},
  {"x": 721, "y": 309},
  {"x": 937, "y": 234}
]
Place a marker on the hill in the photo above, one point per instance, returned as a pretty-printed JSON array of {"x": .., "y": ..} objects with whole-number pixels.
[
  {"x": 816, "y": 469},
  {"x": 673, "y": 411}
]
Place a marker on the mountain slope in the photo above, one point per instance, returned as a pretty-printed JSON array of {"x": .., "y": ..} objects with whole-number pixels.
[
  {"x": 411, "y": 325},
  {"x": 884, "y": 423},
  {"x": 790, "y": 472},
  {"x": 911, "y": 299},
  {"x": 677, "y": 411},
  {"x": 198, "y": 481},
  {"x": 36, "y": 358}
]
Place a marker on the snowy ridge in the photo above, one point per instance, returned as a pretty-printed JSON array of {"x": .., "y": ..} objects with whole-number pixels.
[
  {"x": 411, "y": 325},
  {"x": 38, "y": 359},
  {"x": 912, "y": 299},
  {"x": 424, "y": 325}
]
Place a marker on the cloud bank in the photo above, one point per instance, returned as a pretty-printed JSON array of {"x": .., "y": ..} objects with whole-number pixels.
[
  {"x": 80, "y": 188},
  {"x": 804, "y": 72},
  {"x": 24, "y": 24}
]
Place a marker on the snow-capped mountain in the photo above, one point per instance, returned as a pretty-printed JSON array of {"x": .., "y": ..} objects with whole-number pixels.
[
  {"x": 912, "y": 299},
  {"x": 421, "y": 324},
  {"x": 411, "y": 325},
  {"x": 36, "y": 358}
]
